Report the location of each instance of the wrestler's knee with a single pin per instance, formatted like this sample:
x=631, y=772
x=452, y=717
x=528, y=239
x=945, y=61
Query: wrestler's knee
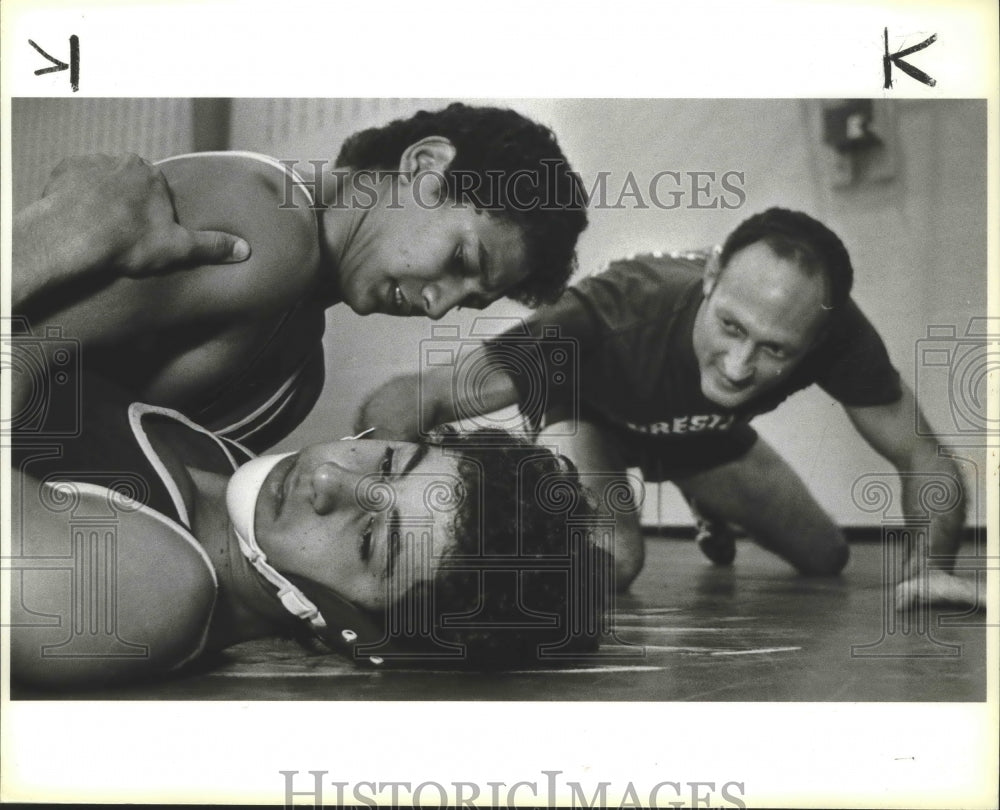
x=828, y=555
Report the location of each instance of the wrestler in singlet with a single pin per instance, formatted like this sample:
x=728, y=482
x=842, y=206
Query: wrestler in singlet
x=110, y=576
x=123, y=565
x=236, y=347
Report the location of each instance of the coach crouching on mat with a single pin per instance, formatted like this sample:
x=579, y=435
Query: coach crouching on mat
x=677, y=354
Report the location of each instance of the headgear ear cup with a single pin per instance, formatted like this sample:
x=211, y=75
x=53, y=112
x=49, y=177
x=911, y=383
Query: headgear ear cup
x=242, y=492
x=325, y=620
x=341, y=625
x=347, y=627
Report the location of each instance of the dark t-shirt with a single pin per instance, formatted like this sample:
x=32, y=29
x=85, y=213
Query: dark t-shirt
x=630, y=328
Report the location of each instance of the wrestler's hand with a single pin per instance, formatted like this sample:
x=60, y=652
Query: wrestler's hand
x=116, y=213
x=940, y=588
x=393, y=409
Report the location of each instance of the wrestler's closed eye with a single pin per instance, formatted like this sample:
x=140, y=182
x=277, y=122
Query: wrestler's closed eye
x=366, y=540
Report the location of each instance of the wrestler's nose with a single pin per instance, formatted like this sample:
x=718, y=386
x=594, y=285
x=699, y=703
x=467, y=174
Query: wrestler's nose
x=440, y=297
x=334, y=487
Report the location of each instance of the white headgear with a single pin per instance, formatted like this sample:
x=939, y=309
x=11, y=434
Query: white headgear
x=242, y=493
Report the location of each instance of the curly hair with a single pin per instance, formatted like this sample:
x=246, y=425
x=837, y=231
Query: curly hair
x=522, y=582
x=797, y=236
x=505, y=164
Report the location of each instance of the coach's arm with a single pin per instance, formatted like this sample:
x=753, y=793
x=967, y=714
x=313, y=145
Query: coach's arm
x=891, y=430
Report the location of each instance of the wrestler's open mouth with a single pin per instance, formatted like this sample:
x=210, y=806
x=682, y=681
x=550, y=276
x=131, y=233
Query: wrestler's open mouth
x=399, y=304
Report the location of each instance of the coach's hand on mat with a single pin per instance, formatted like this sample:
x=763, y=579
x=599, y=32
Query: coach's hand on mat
x=940, y=588
x=116, y=214
x=395, y=411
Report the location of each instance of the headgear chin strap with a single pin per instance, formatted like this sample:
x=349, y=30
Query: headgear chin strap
x=242, y=492
x=347, y=627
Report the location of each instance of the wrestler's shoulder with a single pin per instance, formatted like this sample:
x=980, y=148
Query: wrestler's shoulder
x=158, y=604
x=260, y=199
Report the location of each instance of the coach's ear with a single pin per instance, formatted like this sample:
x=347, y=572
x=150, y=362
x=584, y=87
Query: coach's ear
x=713, y=269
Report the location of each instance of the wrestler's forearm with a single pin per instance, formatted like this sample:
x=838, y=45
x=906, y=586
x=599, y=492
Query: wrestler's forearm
x=113, y=216
x=408, y=406
x=453, y=394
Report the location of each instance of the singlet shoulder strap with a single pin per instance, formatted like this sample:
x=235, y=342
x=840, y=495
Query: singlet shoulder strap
x=136, y=412
x=301, y=184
